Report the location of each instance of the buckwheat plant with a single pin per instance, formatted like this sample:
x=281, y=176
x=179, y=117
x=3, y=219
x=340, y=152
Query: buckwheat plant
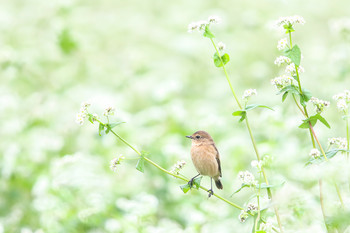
x=220, y=59
x=289, y=84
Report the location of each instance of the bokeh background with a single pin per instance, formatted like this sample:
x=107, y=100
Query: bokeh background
x=138, y=57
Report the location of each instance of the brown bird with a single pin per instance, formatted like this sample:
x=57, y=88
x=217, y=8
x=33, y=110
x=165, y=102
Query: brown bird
x=206, y=158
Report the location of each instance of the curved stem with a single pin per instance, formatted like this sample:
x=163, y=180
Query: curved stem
x=339, y=194
x=322, y=204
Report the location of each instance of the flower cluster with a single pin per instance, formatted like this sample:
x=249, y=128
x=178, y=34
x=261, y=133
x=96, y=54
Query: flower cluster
x=248, y=93
x=114, y=162
x=340, y=143
x=343, y=101
x=319, y=104
x=82, y=114
x=177, y=167
x=267, y=227
x=109, y=111
x=281, y=60
x=221, y=46
x=290, y=20
x=291, y=69
x=259, y=164
x=202, y=24
x=282, y=44
x=314, y=153
x=282, y=81
x=247, y=178
x=243, y=216
x=252, y=208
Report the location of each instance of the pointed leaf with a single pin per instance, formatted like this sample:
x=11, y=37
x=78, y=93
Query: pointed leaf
x=225, y=58
x=238, y=113
x=208, y=33
x=244, y=115
x=140, y=164
x=242, y=186
x=320, y=118
x=284, y=96
x=264, y=186
x=112, y=125
x=100, y=128
x=217, y=60
x=197, y=182
x=294, y=54
x=291, y=89
x=185, y=187
x=252, y=106
x=329, y=154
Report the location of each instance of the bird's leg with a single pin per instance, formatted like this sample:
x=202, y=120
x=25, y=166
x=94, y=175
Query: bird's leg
x=211, y=192
x=191, y=181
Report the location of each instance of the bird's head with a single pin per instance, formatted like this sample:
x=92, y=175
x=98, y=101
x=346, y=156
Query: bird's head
x=200, y=136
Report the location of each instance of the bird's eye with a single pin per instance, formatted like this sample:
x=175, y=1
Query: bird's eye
x=198, y=136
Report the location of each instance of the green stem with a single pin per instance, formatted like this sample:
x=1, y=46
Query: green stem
x=347, y=147
x=226, y=74
x=250, y=133
x=339, y=194
x=322, y=204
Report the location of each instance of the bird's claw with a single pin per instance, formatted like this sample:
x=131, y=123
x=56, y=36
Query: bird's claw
x=190, y=183
x=211, y=192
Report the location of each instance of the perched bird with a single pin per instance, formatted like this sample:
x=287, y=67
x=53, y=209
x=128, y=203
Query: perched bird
x=206, y=158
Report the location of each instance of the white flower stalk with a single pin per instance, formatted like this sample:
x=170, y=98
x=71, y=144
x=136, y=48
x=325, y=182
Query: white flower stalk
x=340, y=143
x=256, y=164
x=343, y=101
x=314, y=153
x=243, y=216
x=290, y=21
x=282, y=81
x=281, y=60
x=221, y=46
x=320, y=105
x=114, y=162
x=247, y=178
x=290, y=69
x=177, y=167
x=214, y=19
x=109, y=111
x=82, y=114
x=249, y=93
x=282, y=44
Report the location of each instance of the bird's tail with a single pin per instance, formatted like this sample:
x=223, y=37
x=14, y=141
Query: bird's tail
x=218, y=184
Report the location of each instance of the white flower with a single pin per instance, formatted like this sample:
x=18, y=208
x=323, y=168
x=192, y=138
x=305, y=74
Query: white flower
x=282, y=81
x=247, y=178
x=108, y=111
x=290, y=69
x=214, y=19
x=282, y=60
x=114, y=162
x=341, y=143
x=82, y=114
x=290, y=20
x=192, y=27
x=177, y=167
x=202, y=24
x=282, y=44
x=343, y=101
x=243, y=216
x=256, y=163
x=314, y=153
x=252, y=208
x=319, y=104
x=79, y=119
x=221, y=46
x=248, y=93
x=267, y=227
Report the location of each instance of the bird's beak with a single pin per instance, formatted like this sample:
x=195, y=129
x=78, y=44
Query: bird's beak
x=189, y=137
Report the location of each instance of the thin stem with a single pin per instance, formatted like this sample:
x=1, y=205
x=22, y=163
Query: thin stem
x=339, y=194
x=226, y=74
x=258, y=200
x=322, y=204
x=347, y=147
x=250, y=134
x=318, y=142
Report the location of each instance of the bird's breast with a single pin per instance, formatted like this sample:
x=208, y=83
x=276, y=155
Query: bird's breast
x=204, y=159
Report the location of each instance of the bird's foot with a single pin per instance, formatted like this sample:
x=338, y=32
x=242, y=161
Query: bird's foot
x=211, y=192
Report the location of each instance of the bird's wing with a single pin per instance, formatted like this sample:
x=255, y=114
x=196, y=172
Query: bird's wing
x=217, y=156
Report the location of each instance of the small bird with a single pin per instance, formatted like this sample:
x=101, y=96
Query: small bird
x=205, y=157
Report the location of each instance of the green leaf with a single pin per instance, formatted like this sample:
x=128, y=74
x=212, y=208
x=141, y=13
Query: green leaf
x=320, y=118
x=112, y=125
x=329, y=154
x=244, y=115
x=225, y=58
x=241, y=113
x=242, y=186
x=294, y=54
x=264, y=186
x=208, y=33
x=91, y=117
x=66, y=42
x=284, y=96
x=305, y=97
x=185, y=187
x=197, y=182
x=291, y=89
x=289, y=28
x=252, y=106
x=140, y=164
x=100, y=128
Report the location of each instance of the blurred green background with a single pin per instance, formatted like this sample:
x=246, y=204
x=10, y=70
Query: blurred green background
x=138, y=57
